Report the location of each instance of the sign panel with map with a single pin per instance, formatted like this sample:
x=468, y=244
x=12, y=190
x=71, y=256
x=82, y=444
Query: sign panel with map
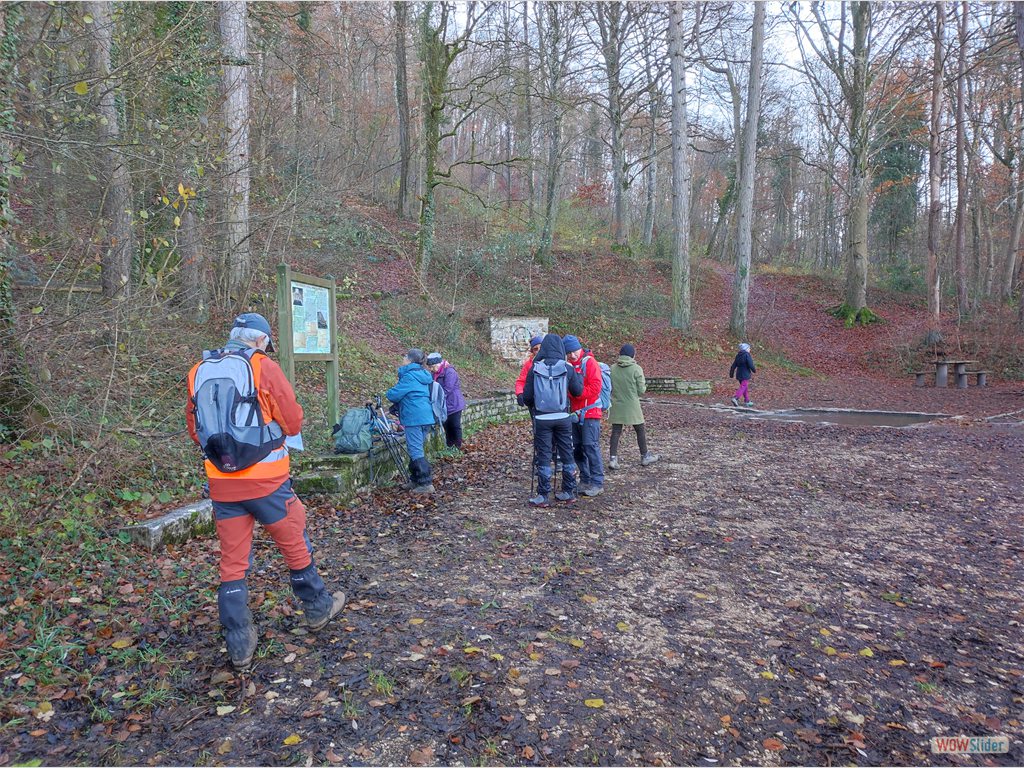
x=311, y=319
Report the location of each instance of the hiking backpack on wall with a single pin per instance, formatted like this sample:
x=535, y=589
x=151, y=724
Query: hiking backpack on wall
x=229, y=421
x=352, y=434
x=604, y=400
x=551, y=387
x=438, y=403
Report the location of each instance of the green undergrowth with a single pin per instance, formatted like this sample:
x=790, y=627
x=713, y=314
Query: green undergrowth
x=852, y=317
x=778, y=359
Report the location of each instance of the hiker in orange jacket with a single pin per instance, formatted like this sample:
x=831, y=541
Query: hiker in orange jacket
x=250, y=481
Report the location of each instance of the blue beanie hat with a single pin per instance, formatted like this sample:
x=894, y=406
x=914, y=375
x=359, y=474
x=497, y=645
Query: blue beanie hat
x=570, y=343
x=628, y=350
x=536, y=341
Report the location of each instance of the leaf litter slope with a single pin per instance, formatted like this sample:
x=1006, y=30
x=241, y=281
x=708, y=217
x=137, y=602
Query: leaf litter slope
x=768, y=593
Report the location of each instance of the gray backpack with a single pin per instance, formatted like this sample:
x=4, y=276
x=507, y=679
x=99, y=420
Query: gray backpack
x=551, y=387
x=438, y=403
x=229, y=420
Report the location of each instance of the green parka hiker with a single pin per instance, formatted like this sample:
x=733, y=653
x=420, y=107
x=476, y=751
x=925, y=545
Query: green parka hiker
x=628, y=383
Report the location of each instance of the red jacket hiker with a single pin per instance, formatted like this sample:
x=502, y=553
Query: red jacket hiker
x=591, y=386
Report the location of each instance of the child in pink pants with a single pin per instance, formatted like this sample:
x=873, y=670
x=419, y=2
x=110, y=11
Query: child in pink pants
x=742, y=368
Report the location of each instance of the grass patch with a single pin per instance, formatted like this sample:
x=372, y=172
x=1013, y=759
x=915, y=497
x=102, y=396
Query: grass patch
x=779, y=360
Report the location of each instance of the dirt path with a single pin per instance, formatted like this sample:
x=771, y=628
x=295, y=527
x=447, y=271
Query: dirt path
x=769, y=593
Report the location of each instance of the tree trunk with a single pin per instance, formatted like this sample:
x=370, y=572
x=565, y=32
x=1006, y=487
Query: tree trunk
x=651, y=173
x=526, y=145
x=237, y=268
x=747, y=166
x=935, y=170
x=552, y=56
x=118, y=201
x=681, y=314
x=402, y=99
x=609, y=17
x=860, y=174
x=16, y=393
x=962, y=192
x=1018, y=214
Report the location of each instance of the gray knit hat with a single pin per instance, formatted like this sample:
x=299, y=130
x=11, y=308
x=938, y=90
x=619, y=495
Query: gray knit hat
x=414, y=355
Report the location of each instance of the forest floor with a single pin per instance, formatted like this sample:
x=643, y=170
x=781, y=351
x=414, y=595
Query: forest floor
x=768, y=593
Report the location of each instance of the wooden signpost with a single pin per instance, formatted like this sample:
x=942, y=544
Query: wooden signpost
x=307, y=327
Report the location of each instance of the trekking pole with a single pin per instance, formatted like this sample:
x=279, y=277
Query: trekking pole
x=533, y=469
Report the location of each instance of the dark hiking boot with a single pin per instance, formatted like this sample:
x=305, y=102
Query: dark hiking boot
x=648, y=458
x=613, y=462
x=540, y=500
x=565, y=496
x=241, y=645
x=316, y=619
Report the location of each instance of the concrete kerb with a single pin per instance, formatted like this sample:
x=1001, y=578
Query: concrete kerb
x=342, y=475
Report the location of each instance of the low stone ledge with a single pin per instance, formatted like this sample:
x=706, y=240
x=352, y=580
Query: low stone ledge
x=175, y=527
x=675, y=386
x=339, y=474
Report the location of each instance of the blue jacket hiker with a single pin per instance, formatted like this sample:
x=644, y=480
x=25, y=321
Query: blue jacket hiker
x=743, y=369
x=549, y=385
x=412, y=396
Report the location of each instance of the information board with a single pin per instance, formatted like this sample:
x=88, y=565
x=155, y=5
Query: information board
x=311, y=319
x=307, y=327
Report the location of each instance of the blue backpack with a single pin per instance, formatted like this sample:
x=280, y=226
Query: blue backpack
x=604, y=400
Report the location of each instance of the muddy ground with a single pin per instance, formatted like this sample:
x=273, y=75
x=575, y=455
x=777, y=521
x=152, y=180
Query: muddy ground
x=768, y=593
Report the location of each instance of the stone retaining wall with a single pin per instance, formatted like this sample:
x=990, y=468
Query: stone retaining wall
x=343, y=475
x=671, y=385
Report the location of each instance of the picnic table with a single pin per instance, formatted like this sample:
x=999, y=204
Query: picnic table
x=959, y=369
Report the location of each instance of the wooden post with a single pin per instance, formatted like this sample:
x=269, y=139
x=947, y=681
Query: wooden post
x=284, y=321
x=333, y=372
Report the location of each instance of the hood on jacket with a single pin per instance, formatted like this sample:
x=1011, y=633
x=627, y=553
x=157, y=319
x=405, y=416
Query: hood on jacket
x=417, y=371
x=625, y=361
x=551, y=348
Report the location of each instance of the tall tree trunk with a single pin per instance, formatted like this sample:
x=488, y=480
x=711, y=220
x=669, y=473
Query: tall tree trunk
x=16, y=393
x=935, y=169
x=860, y=174
x=237, y=268
x=609, y=18
x=681, y=181
x=402, y=99
x=651, y=172
x=551, y=55
x=118, y=202
x=747, y=166
x=526, y=145
x=1019, y=29
x=962, y=192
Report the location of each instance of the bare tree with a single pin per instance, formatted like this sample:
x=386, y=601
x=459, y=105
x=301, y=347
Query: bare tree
x=118, y=202
x=237, y=266
x=962, y=192
x=681, y=180
x=402, y=100
x=935, y=169
x=748, y=163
